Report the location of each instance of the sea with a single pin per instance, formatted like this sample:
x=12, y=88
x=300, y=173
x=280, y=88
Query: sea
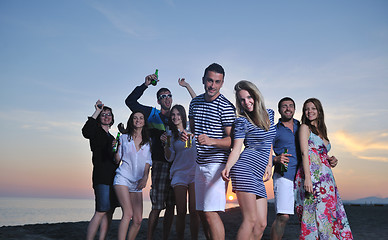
x=16, y=211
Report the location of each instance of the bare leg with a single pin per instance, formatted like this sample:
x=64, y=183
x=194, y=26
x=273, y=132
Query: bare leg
x=216, y=226
x=122, y=194
x=181, y=207
x=205, y=225
x=194, y=218
x=278, y=226
x=105, y=223
x=137, y=207
x=152, y=223
x=261, y=223
x=247, y=202
x=167, y=222
x=94, y=224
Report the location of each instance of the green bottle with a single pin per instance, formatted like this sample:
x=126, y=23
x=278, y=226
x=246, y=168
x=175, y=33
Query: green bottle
x=284, y=167
x=153, y=81
x=117, y=143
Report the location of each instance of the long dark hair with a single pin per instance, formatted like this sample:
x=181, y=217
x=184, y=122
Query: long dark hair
x=131, y=128
x=99, y=116
x=321, y=129
x=173, y=127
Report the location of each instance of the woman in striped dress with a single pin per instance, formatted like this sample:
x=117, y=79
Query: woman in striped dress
x=255, y=129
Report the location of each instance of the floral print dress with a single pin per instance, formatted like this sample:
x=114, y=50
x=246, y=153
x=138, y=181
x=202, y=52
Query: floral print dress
x=321, y=214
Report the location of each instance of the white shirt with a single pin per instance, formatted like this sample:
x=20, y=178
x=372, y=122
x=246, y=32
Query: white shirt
x=132, y=161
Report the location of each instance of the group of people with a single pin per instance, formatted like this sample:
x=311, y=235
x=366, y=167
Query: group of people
x=239, y=143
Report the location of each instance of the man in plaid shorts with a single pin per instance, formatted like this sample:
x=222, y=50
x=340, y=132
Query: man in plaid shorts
x=161, y=194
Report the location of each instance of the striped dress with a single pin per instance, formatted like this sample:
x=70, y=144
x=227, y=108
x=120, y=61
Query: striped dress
x=247, y=173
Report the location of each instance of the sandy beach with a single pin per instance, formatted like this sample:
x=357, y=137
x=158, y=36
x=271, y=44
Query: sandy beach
x=366, y=221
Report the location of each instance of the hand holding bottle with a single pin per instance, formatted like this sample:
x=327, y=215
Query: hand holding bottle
x=284, y=161
x=116, y=143
x=98, y=108
x=99, y=105
x=152, y=79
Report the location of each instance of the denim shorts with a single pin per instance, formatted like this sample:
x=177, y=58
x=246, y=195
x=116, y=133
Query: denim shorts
x=104, y=197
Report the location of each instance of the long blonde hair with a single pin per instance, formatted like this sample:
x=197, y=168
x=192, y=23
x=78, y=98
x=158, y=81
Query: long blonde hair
x=259, y=115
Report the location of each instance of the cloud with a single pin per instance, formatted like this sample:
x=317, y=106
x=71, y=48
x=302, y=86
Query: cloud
x=117, y=20
x=380, y=159
x=39, y=121
x=170, y=3
x=354, y=143
x=126, y=19
x=51, y=125
x=369, y=146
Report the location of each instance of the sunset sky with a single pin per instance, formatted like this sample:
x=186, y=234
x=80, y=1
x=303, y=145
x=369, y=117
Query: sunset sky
x=58, y=57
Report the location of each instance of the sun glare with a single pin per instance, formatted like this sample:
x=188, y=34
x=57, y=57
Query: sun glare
x=231, y=198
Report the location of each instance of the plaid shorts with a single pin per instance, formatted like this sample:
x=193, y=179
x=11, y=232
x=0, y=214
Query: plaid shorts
x=161, y=193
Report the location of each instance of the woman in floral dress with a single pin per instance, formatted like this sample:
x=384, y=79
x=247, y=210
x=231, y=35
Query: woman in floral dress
x=318, y=203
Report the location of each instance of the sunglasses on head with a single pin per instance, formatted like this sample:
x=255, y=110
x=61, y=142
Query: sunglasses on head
x=162, y=96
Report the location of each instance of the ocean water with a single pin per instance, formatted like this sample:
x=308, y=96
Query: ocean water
x=21, y=211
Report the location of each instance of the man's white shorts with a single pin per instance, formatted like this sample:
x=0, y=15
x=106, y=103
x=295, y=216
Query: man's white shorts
x=210, y=189
x=284, y=194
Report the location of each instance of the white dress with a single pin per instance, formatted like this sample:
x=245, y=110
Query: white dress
x=133, y=162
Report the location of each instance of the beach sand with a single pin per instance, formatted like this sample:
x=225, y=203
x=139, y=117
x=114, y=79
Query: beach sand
x=366, y=221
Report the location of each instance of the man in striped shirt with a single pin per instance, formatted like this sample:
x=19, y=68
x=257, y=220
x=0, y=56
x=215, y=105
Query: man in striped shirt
x=211, y=118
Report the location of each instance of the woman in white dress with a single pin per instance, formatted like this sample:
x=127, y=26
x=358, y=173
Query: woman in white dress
x=131, y=176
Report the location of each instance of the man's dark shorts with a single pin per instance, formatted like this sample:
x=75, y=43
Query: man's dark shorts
x=104, y=197
x=161, y=193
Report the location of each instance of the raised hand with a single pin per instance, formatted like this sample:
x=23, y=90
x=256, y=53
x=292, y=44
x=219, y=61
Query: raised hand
x=149, y=78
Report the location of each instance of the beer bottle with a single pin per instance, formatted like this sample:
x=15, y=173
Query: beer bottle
x=117, y=143
x=284, y=167
x=189, y=140
x=155, y=81
x=169, y=135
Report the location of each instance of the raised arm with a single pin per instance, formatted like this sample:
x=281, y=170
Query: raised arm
x=89, y=129
x=132, y=100
x=182, y=82
x=304, y=133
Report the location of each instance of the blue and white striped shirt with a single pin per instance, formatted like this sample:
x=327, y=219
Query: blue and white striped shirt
x=211, y=118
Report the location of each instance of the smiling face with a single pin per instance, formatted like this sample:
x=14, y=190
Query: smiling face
x=176, y=117
x=165, y=100
x=106, y=117
x=310, y=111
x=246, y=100
x=138, y=120
x=286, y=110
x=212, y=82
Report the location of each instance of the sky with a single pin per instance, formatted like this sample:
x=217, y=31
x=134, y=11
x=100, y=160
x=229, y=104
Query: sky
x=59, y=57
